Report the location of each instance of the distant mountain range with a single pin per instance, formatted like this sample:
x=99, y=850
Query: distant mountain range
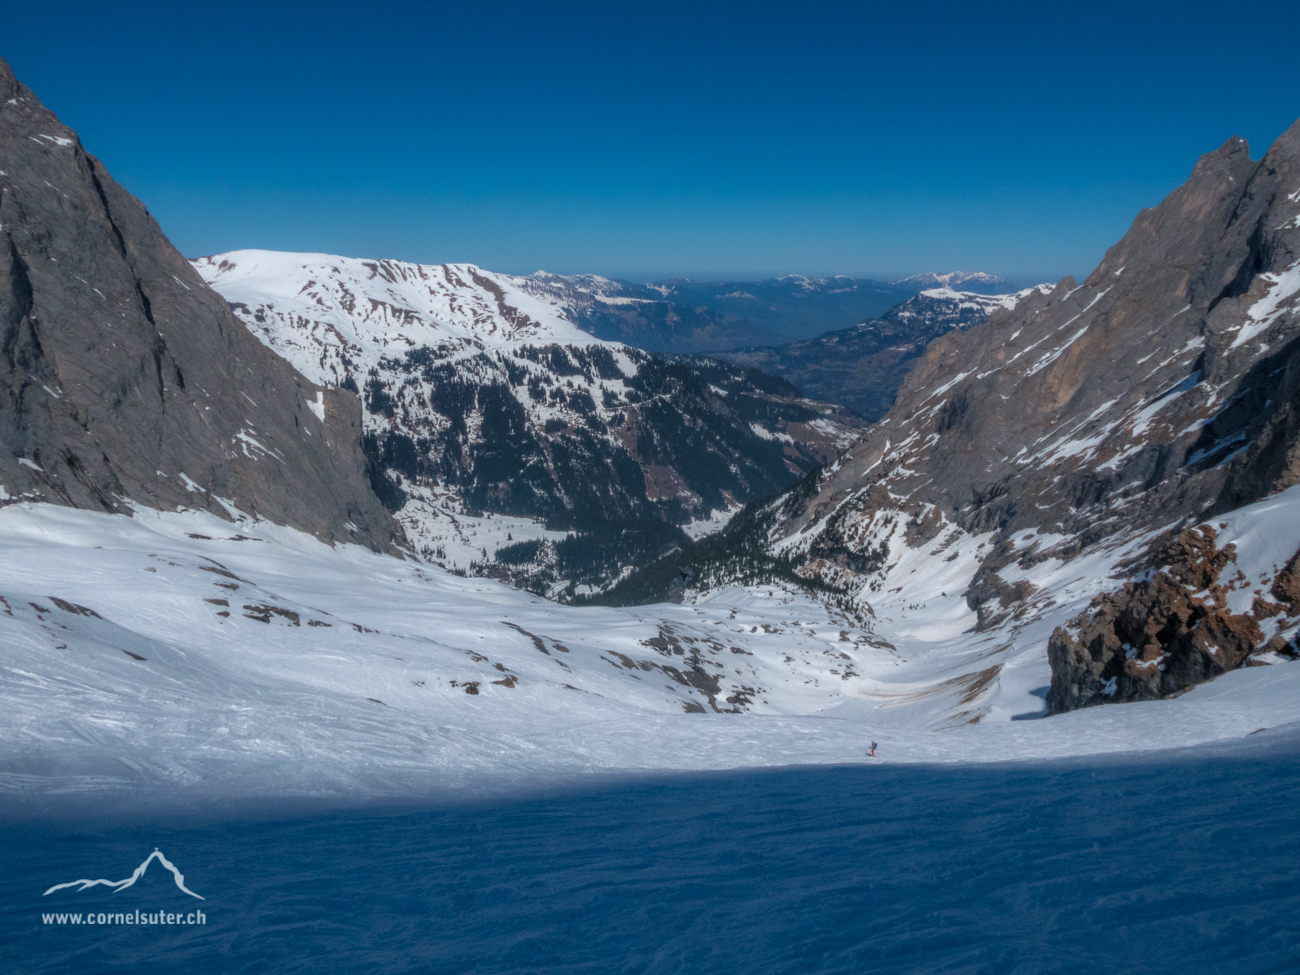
x=798, y=307
x=863, y=366
x=976, y=282
x=680, y=315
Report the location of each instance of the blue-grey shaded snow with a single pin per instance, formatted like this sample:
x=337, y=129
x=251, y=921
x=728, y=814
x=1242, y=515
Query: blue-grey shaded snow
x=1177, y=862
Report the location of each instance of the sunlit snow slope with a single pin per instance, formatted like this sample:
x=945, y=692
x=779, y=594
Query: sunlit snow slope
x=365, y=308
x=175, y=650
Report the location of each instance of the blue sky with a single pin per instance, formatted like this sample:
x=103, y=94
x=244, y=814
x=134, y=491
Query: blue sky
x=646, y=140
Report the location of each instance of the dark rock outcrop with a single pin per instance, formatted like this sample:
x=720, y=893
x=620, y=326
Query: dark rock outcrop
x=125, y=380
x=1286, y=587
x=1157, y=637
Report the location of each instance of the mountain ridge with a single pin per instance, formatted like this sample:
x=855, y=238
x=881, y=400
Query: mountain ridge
x=482, y=398
x=863, y=366
x=680, y=315
x=1088, y=426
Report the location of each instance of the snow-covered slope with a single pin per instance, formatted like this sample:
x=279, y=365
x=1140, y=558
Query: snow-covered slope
x=973, y=301
x=316, y=308
x=173, y=651
x=492, y=420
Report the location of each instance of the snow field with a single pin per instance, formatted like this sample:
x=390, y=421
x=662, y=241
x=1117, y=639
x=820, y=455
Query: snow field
x=339, y=671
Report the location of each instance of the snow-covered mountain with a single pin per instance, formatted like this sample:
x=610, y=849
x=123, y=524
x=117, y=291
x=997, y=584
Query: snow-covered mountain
x=506, y=439
x=962, y=308
x=1094, y=496
x=863, y=366
x=973, y=281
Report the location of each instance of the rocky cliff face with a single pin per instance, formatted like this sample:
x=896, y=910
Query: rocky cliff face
x=863, y=366
x=1082, y=427
x=1161, y=389
x=125, y=380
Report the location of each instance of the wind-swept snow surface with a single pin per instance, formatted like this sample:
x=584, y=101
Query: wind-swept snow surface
x=1177, y=862
x=176, y=651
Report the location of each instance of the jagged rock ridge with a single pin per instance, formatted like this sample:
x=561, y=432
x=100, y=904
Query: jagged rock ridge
x=125, y=380
x=1161, y=389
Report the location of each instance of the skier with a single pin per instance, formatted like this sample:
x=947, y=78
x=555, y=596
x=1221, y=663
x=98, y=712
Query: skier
x=873, y=749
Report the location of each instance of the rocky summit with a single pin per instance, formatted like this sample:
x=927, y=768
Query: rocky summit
x=1159, y=389
x=125, y=380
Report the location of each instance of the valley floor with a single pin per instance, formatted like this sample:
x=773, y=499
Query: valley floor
x=180, y=653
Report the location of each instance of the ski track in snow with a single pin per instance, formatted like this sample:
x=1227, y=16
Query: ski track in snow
x=180, y=651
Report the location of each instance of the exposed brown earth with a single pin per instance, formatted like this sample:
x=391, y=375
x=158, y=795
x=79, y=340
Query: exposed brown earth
x=1155, y=638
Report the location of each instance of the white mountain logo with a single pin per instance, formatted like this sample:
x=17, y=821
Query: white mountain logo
x=122, y=885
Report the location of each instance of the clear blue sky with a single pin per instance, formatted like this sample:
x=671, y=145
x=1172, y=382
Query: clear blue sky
x=652, y=139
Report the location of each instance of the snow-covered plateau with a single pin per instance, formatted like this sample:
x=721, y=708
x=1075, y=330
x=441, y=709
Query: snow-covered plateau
x=183, y=653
